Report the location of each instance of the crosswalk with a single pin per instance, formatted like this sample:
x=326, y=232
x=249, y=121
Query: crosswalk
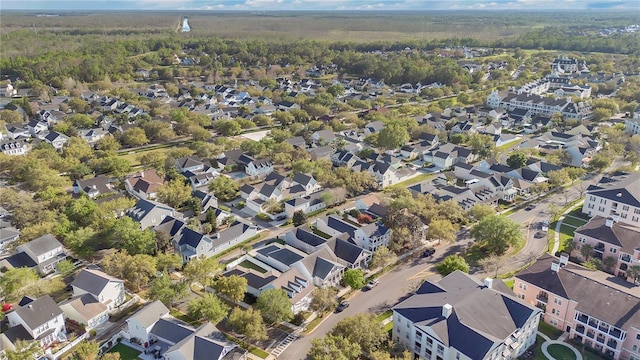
x=283, y=345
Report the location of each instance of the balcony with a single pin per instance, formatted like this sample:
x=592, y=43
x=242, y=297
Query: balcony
x=543, y=297
x=542, y=306
x=599, y=247
x=616, y=333
x=600, y=339
x=580, y=329
x=593, y=323
x=583, y=318
x=591, y=334
x=625, y=257
x=612, y=343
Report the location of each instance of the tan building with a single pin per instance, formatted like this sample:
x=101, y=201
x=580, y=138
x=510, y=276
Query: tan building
x=594, y=308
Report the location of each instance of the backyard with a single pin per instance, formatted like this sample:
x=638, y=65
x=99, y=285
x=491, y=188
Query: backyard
x=126, y=353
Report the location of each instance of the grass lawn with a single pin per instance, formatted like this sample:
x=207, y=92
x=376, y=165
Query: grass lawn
x=126, y=353
x=184, y=317
x=249, y=265
x=384, y=315
x=414, y=180
x=573, y=221
x=134, y=156
x=549, y=330
x=510, y=283
x=312, y=324
x=561, y=352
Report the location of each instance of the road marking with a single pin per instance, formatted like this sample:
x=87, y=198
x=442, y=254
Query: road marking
x=421, y=274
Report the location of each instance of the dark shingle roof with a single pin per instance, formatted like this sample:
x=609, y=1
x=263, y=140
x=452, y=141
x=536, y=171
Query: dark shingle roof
x=43, y=244
x=93, y=281
x=171, y=329
x=620, y=234
x=39, y=311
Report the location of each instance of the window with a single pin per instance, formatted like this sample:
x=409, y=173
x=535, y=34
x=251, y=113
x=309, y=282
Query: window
x=634, y=219
x=553, y=322
x=523, y=286
x=521, y=296
x=625, y=207
x=624, y=216
x=581, y=239
x=636, y=211
x=638, y=336
x=613, y=250
x=555, y=312
x=557, y=301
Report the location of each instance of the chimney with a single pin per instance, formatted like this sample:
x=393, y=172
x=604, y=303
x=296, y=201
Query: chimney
x=555, y=266
x=488, y=283
x=564, y=259
x=609, y=222
x=446, y=310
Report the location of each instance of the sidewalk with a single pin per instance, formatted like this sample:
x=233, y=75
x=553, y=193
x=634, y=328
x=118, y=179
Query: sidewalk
x=556, y=240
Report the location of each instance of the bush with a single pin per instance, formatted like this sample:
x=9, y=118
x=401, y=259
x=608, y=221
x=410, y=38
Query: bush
x=240, y=205
x=222, y=207
x=298, y=319
x=365, y=219
x=263, y=217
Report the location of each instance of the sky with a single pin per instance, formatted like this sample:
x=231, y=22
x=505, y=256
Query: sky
x=302, y=5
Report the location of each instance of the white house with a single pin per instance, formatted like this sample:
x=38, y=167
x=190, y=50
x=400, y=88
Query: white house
x=41, y=254
x=40, y=319
x=369, y=236
x=107, y=289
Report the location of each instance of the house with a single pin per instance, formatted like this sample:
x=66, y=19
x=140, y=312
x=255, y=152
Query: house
x=385, y=173
x=321, y=153
x=8, y=234
x=107, y=289
x=298, y=289
x=255, y=167
x=36, y=319
x=323, y=136
x=144, y=184
x=590, y=305
x=191, y=244
x=14, y=147
x=206, y=200
x=617, y=196
x=86, y=310
x=140, y=324
x=206, y=342
x=609, y=238
x=308, y=183
x=306, y=204
x=297, y=142
x=37, y=128
x=15, y=131
x=459, y=317
x=369, y=236
x=287, y=105
x=365, y=202
x=632, y=125
x=56, y=139
x=99, y=185
x=41, y=254
x=149, y=213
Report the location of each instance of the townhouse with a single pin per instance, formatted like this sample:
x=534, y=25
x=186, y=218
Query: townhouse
x=616, y=196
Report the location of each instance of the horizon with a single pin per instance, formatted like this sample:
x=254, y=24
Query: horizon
x=315, y=5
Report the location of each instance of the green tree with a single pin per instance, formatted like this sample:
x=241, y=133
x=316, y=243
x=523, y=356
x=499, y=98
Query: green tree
x=227, y=127
x=174, y=193
x=354, y=278
x=65, y=267
x=586, y=251
x=166, y=262
x=481, y=211
x=134, y=136
x=558, y=178
x=333, y=347
x=200, y=270
x=108, y=143
x=452, y=263
x=323, y=299
x=600, y=162
x=517, y=160
x=208, y=307
x=393, y=136
x=233, y=287
x=299, y=218
x=482, y=145
x=274, y=305
x=382, y=257
x=15, y=282
x=362, y=329
x=497, y=233
x=633, y=273
x=124, y=233
x=81, y=121
x=442, y=229
x=575, y=173
x=165, y=290
x=248, y=323
x=224, y=188
x=609, y=263
x=86, y=350
x=492, y=262
x=24, y=350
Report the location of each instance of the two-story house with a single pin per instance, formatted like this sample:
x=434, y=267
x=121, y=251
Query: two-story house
x=104, y=287
x=93, y=187
x=191, y=244
x=40, y=319
x=144, y=184
x=616, y=196
x=149, y=213
x=41, y=254
x=56, y=139
x=593, y=308
x=368, y=236
x=460, y=318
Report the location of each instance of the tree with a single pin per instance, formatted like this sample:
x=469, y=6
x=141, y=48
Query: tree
x=65, y=267
x=323, y=299
x=393, y=136
x=497, y=232
x=575, y=173
x=248, y=323
x=609, y=263
x=633, y=273
x=299, y=218
x=227, y=127
x=134, y=136
x=555, y=211
x=165, y=262
x=482, y=145
x=174, y=193
x=382, y=257
x=208, y=307
x=493, y=262
x=15, y=281
x=86, y=350
x=333, y=347
x=224, y=188
x=81, y=121
x=442, y=229
x=233, y=287
x=600, y=162
x=165, y=290
x=558, y=178
x=24, y=350
x=124, y=233
x=199, y=270
x=481, y=211
x=275, y=306
x=137, y=270
x=362, y=329
x=452, y=263
x=517, y=160
x=354, y=278
x=111, y=356
x=586, y=251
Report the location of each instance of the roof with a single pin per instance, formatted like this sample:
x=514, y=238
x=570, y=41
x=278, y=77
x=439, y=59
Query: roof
x=170, y=226
x=620, y=234
x=93, y=281
x=304, y=234
x=143, y=207
x=147, y=181
x=171, y=329
x=151, y=313
x=86, y=305
x=42, y=245
x=99, y=183
x=345, y=250
x=255, y=279
x=302, y=179
x=190, y=237
x=598, y=294
x=624, y=189
x=321, y=263
x=20, y=260
x=481, y=316
x=205, y=342
x=232, y=232
x=38, y=311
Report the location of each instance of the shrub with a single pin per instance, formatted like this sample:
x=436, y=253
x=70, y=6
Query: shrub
x=364, y=219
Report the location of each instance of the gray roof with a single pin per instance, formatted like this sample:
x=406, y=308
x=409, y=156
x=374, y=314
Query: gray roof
x=43, y=244
x=93, y=281
x=171, y=329
x=345, y=250
x=481, y=317
x=232, y=232
x=623, y=189
x=206, y=342
x=191, y=237
x=151, y=313
x=170, y=225
x=38, y=311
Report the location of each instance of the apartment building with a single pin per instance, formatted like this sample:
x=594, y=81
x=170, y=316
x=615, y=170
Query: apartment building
x=617, y=197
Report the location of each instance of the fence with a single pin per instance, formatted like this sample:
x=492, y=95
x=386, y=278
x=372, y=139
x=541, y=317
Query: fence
x=68, y=347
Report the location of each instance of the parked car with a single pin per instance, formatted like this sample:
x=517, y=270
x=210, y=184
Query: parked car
x=343, y=305
x=428, y=252
x=530, y=207
x=371, y=284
